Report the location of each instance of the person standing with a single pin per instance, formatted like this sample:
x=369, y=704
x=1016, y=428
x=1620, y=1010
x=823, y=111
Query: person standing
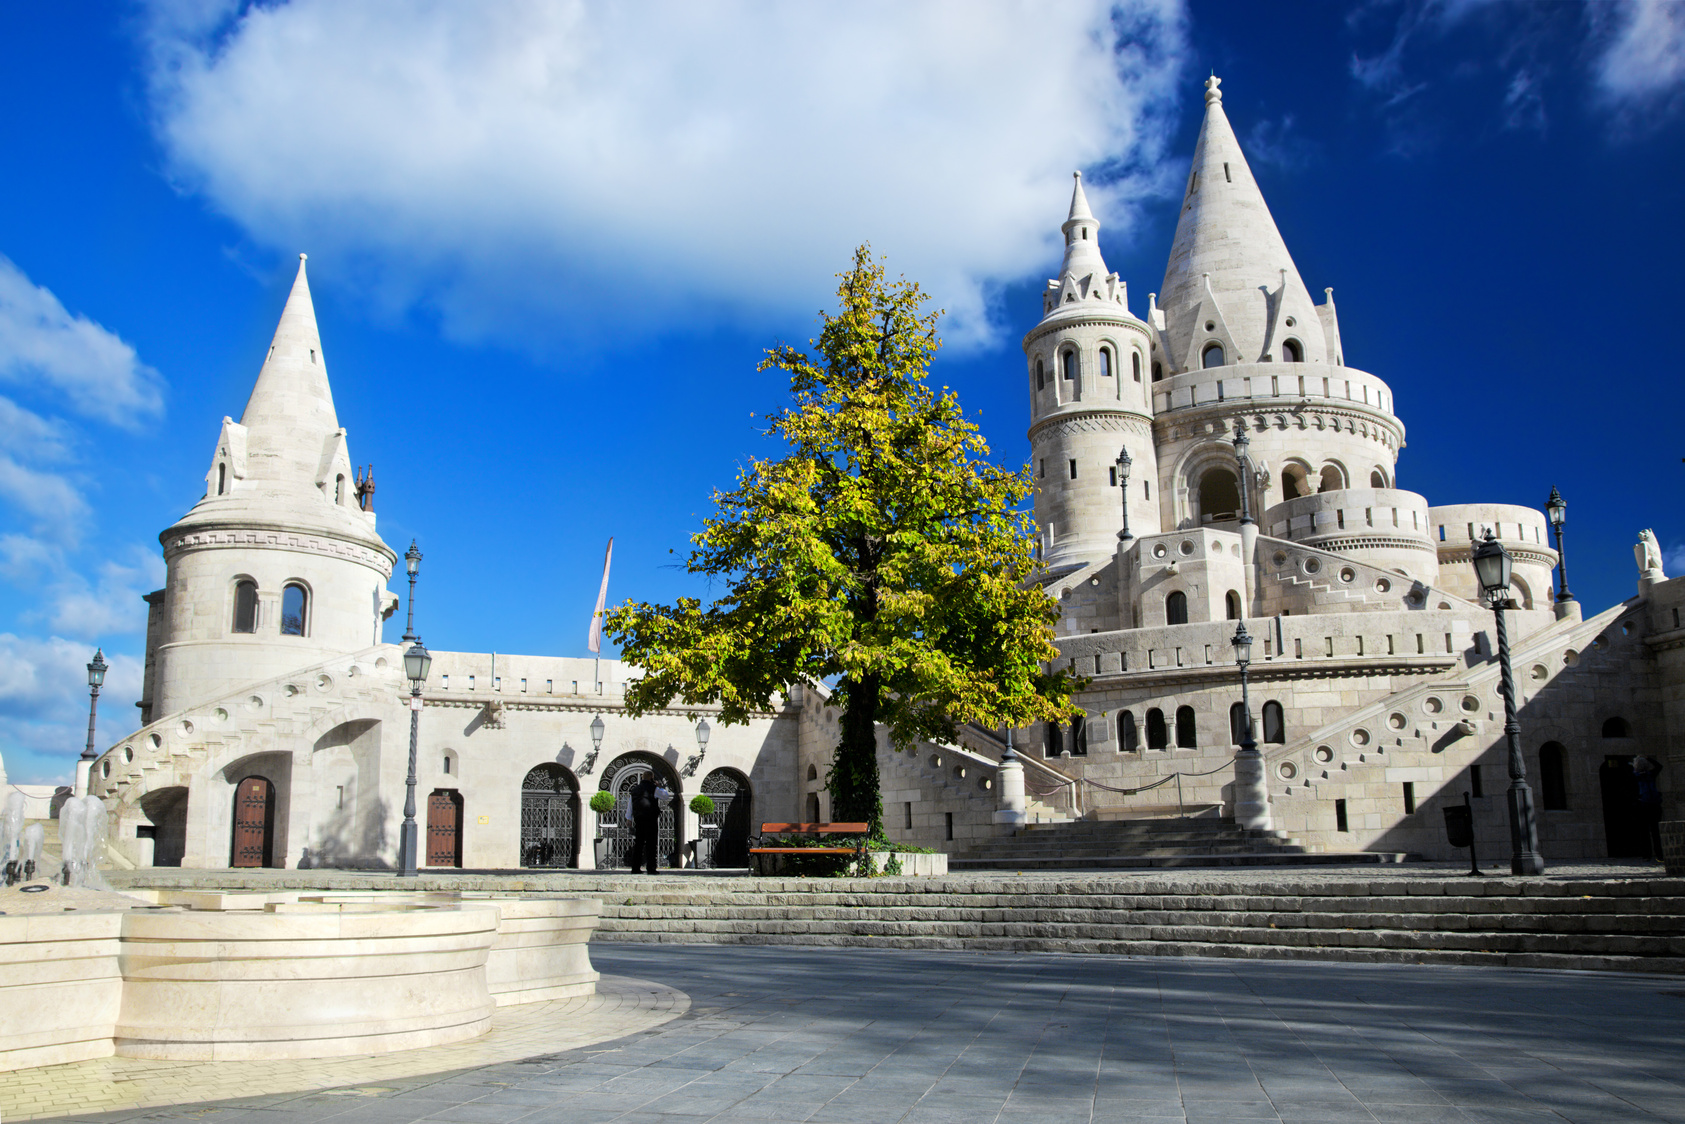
x=1644, y=771
x=646, y=818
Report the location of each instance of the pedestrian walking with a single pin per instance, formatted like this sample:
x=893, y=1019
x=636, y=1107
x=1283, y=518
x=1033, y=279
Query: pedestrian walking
x=646, y=818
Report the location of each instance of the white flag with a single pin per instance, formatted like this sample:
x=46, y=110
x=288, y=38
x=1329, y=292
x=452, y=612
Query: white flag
x=595, y=640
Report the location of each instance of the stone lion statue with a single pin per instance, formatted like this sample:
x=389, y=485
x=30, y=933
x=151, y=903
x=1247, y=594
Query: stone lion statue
x=1649, y=555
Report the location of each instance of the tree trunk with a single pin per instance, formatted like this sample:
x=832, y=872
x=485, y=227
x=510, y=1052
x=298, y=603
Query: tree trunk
x=855, y=793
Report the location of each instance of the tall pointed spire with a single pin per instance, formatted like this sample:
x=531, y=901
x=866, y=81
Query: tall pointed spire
x=1083, y=275
x=1229, y=266
x=290, y=416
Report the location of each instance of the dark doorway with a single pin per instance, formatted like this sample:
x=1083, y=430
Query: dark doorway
x=254, y=823
x=444, y=827
x=1623, y=830
x=549, y=818
x=620, y=778
x=729, y=790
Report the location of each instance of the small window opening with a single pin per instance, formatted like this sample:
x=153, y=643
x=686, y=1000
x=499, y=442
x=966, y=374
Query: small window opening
x=339, y=489
x=294, y=603
x=447, y=763
x=1135, y=364
x=1409, y=798
x=1376, y=480
x=1275, y=725
x=1475, y=787
x=907, y=807
x=1073, y=469
x=245, y=607
x=1129, y=738
x=1226, y=177
x=948, y=825
x=1212, y=356
x=1291, y=352
x=1617, y=728
x=1053, y=740
x=312, y=355
x=1340, y=823
x=1105, y=362
x=1158, y=371
x=1231, y=604
x=1042, y=470
x=1176, y=608
x=1112, y=476
x=1041, y=375
x=1186, y=735
x=549, y=686
x=221, y=479
x=1158, y=736
x=1553, y=777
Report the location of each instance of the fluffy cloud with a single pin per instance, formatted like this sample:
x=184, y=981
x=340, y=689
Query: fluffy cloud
x=43, y=344
x=535, y=165
x=1644, y=54
x=44, y=705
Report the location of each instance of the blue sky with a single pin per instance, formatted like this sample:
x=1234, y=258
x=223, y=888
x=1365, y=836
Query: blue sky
x=548, y=243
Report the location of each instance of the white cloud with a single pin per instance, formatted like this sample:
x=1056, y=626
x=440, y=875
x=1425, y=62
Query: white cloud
x=43, y=344
x=44, y=705
x=549, y=166
x=1644, y=53
x=87, y=610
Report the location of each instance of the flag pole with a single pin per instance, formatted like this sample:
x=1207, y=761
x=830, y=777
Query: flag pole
x=594, y=639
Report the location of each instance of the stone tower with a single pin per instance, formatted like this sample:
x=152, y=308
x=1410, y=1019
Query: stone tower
x=277, y=566
x=1089, y=399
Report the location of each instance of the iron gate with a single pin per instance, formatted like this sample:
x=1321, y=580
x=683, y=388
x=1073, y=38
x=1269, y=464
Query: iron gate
x=620, y=778
x=729, y=791
x=549, y=818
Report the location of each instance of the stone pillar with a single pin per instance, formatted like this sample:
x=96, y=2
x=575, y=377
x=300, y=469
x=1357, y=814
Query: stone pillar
x=83, y=770
x=1251, y=799
x=1009, y=788
x=1249, y=566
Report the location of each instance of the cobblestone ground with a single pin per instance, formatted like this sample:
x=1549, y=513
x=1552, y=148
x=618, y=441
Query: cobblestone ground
x=849, y=1036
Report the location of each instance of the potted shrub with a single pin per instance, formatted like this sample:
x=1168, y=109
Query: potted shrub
x=703, y=805
x=601, y=803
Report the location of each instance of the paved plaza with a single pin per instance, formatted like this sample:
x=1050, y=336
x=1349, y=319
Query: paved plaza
x=854, y=1036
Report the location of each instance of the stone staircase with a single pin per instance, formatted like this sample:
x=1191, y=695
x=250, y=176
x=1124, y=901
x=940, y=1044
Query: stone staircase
x=1621, y=926
x=1144, y=844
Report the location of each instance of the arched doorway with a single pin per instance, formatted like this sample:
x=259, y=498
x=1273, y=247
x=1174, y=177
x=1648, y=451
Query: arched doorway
x=1623, y=832
x=732, y=799
x=254, y=823
x=444, y=827
x=1219, y=496
x=621, y=776
x=549, y=818
x=167, y=809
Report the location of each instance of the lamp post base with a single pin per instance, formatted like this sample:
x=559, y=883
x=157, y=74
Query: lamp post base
x=1251, y=799
x=407, y=839
x=1524, y=836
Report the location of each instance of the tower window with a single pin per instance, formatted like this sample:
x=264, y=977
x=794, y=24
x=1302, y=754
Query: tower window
x=1291, y=352
x=1176, y=608
x=1069, y=359
x=1073, y=470
x=221, y=479
x=1113, y=471
x=1041, y=375
x=294, y=605
x=1043, y=468
x=1553, y=777
x=312, y=355
x=245, y=606
x=1135, y=364
x=1226, y=177
x=1158, y=371
x=1275, y=728
x=1158, y=737
x=1185, y=732
x=1085, y=234
x=1231, y=603
x=1212, y=356
x=1129, y=739
x=1105, y=362
x=339, y=489
x=1377, y=480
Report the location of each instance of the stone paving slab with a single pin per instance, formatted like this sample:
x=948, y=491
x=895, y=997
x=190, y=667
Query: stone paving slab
x=620, y=1006
x=839, y=1036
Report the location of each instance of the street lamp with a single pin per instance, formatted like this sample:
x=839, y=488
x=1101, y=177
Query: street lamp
x=1123, y=463
x=96, y=680
x=1492, y=568
x=702, y=732
x=412, y=564
x=1241, y=444
x=1251, y=801
x=1557, y=508
x=596, y=745
x=417, y=663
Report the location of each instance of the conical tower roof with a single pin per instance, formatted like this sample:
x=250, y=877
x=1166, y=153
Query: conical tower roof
x=1083, y=277
x=290, y=414
x=1228, y=264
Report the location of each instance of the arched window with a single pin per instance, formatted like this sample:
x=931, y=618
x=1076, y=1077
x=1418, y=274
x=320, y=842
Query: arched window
x=1237, y=723
x=1041, y=375
x=1617, y=728
x=1332, y=480
x=1135, y=364
x=1212, y=356
x=339, y=489
x=1294, y=482
x=1176, y=608
x=1053, y=740
x=295, y=603
x=245, y=606
x=1105, y=362
x=1158, y=371
x=1079, y=736
x=1157, y=736
x=1553, y=776
x=1231, y=603
x=1275, y=727
x=1129, y=738
x=1377, y=479
x=1291, y=352
x=1219, y=496
x=1068, y=362
x=1185, y=735
x=221, y=479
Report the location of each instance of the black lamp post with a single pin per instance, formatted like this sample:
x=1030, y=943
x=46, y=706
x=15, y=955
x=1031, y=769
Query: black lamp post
x=1492, y=568
x=412, y=563
x=1251, y=801
x=1123, y=464
x=417, y=663
x=1242, y=443
x=1557, y=508
x=96, y=680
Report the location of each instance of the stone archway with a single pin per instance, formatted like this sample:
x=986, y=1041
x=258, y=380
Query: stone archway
x=622, y=774
x=733, y=808
x=253, y=842
x=549, y=817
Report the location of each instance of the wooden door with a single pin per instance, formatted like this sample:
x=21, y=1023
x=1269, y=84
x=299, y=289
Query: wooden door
x=254, y=823
x=444, y=828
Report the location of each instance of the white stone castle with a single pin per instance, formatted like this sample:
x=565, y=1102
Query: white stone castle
x=275, y=724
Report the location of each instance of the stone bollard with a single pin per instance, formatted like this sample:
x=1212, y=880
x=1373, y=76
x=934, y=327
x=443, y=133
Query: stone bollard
x=1251, y=799
x=1009, y=788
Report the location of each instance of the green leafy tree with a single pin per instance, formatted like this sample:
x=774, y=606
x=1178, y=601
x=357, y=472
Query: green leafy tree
x=884, y=552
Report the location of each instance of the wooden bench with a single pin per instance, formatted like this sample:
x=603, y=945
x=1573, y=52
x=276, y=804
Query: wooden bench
x=858, y=850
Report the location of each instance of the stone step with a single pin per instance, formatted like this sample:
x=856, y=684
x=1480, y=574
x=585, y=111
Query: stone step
x=1168, y=862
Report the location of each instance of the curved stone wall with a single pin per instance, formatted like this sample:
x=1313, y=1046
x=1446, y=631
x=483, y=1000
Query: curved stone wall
x=1384, y=527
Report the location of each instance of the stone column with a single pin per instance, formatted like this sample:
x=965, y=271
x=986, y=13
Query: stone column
x=1251, y=799
x=1009, y=788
